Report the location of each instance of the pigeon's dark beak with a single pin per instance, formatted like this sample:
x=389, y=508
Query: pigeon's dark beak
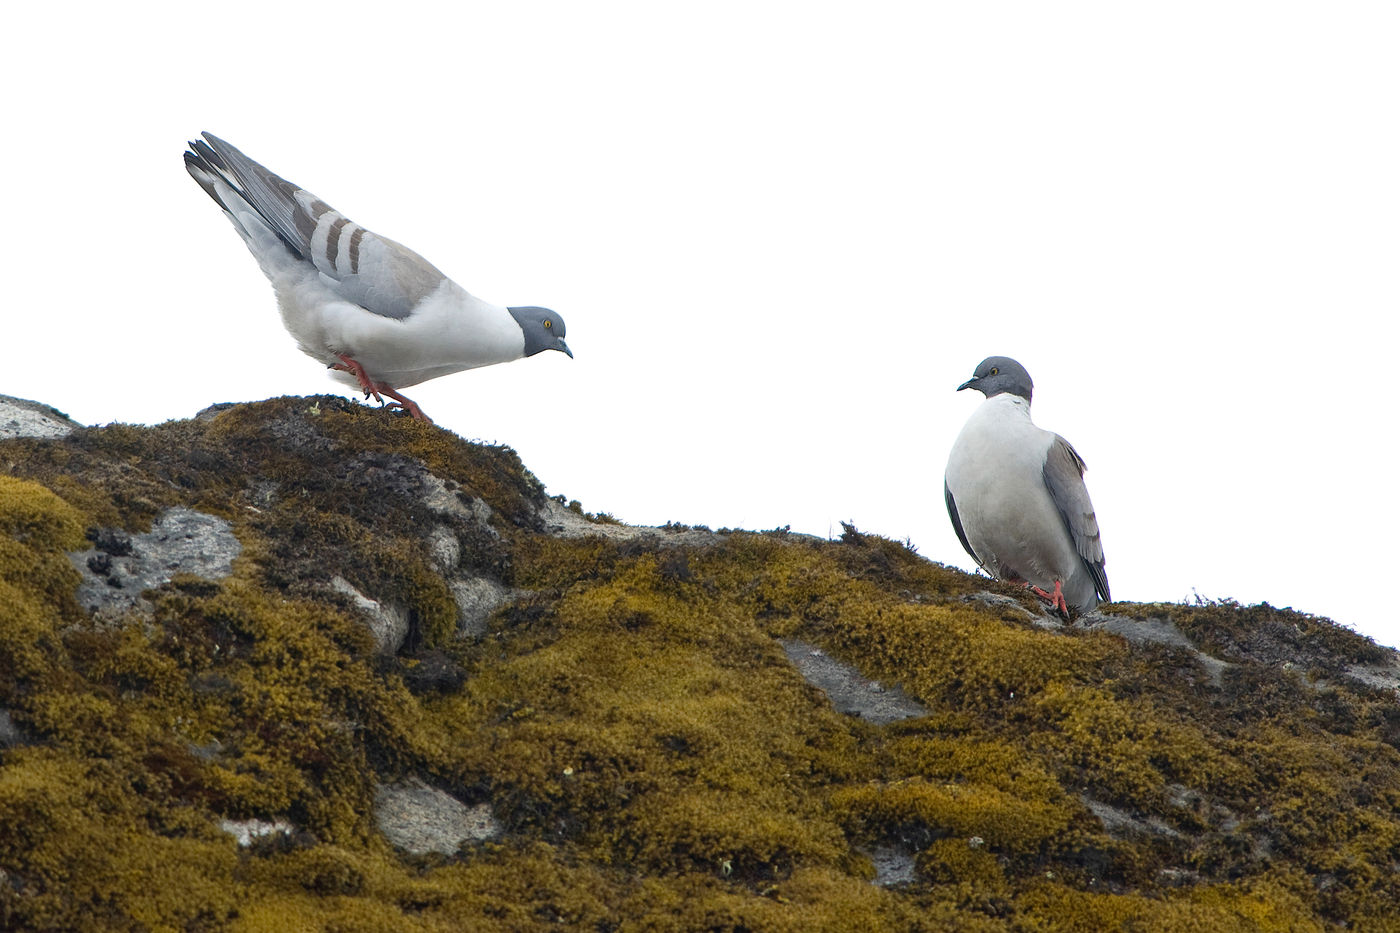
x=968, y=384
x=561, y=345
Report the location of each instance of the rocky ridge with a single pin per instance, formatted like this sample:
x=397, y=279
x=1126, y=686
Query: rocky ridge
x=332, y=668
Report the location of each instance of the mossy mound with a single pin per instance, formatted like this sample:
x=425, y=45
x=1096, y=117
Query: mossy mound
x=654, y=760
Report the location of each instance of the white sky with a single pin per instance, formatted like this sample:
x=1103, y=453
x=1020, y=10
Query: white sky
x=781, y=235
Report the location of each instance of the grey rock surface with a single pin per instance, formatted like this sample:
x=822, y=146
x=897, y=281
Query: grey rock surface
x=1001, y=601
x=848, y=691
x=388, y=622
x=1153, y=632
x=246, y=832
x=208, y=413
x=1120, y=823
x=477, y=598
x=893, y=865
x=442, y=496
x=420, y=819
x=120, y=566
x=444, y=548
x=559, y=520
x=10, y=733
x=22, y=418
x=1381, y=676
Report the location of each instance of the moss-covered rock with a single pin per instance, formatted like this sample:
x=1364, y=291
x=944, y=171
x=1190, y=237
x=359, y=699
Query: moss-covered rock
x=650, y=757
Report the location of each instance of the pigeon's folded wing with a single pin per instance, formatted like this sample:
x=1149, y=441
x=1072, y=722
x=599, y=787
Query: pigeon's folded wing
x=1064, y=477
x=374, y=272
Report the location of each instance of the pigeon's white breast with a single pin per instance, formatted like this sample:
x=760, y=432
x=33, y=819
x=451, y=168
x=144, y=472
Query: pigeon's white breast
x=996, y=473
x=447, y=332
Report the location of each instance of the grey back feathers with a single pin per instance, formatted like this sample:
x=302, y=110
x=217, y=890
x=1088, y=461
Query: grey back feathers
x=1064, y=477
x=377, y=314
x=374, y=272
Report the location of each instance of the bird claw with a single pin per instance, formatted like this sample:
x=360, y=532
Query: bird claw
x=347, y=365
x=1055, y=599
x=409, y=406
x=371, y=387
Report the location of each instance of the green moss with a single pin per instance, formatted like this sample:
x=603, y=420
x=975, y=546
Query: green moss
x=1227, y=909
x=35, y=517
x=301, y=549
x=988, y=796
x=36, y=580
x=1230, y=631
x=552, y=564
x=950, y=652
x=81, y=852
x=1007, y=823
x=650, y=725
x=36, y=527
x=963, y=861
x=1128, y=751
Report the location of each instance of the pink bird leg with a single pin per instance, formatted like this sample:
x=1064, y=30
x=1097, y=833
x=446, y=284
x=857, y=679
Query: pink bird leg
x=377, y=389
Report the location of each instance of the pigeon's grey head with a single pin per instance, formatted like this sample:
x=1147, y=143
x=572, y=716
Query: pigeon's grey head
x=998, y=374
x=544, y=330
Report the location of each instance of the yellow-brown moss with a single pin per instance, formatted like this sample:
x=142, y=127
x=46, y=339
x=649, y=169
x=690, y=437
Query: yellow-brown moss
x=1007, y=823
x=33, y=516
x=950, y=653
x=86, y=854
x=1226, y=909
x=656, y=727
x=1126, y=750
x=36, y=580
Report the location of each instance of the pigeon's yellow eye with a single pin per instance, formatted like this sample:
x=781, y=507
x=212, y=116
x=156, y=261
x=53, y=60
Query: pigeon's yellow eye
x=992, y=373
x=548, y=323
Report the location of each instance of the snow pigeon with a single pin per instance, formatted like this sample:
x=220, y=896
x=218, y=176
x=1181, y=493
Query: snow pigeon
x=378, y=314
x=1017, y=498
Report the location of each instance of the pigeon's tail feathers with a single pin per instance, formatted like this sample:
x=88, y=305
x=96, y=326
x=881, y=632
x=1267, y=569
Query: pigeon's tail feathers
x=264, y=241
x=204, y=173
x=222, y=170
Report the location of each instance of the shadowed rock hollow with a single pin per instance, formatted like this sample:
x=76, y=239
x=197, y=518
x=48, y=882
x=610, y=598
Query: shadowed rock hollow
x=304, y=665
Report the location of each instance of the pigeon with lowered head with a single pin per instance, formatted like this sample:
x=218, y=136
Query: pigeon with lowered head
x=378, y=314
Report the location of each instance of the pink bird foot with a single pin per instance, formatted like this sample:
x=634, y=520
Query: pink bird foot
x=347, y=365
x=377, y=389
x=399, y=401
x=1055, y=599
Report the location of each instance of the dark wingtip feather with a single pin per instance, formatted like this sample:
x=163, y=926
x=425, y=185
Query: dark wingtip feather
x=210, y=156
x=1100, y=580
x=957, y=522
x=202, y=171
x=268, y=195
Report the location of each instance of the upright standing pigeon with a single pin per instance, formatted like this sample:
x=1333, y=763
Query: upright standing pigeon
x=1017, y=498
x=375, y=311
